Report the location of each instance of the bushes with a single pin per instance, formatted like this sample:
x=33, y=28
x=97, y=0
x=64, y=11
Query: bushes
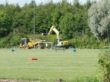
x=104, y=61
x=11, y=40
x=87, y=42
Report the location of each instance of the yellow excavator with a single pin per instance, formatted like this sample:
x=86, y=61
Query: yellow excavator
x=59, y=43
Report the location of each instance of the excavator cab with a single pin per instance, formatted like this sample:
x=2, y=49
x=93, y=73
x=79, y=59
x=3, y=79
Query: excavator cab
x=62, y=44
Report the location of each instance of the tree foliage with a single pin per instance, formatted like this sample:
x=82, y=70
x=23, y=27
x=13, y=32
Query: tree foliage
x=67, y=17
x=99, y=18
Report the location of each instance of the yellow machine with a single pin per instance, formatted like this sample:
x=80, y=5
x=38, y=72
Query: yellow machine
x=30, y=43
x=26, y=43
x=59, y=42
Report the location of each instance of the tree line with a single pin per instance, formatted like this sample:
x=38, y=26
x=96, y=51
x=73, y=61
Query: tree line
x=69, y=18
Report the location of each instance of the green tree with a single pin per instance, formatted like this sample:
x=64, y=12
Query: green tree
x=67, y=25
x=76, y=3
x=5, y=23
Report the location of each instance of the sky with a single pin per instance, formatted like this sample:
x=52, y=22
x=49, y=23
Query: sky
x=22, y=2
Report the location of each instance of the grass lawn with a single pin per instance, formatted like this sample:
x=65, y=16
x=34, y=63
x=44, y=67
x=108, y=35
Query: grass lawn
x=50, y=65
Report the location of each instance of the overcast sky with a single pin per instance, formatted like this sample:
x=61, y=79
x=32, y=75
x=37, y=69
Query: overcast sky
x=22, y=2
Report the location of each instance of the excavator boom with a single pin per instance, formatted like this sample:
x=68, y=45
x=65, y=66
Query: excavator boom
x=53, y=29
x=60, y=43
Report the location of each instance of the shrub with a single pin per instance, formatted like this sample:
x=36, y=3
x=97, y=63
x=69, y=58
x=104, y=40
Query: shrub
x=87, y=42
x=11, y=40
x=104, y=61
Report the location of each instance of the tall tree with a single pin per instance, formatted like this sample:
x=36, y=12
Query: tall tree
x=5, y=23
x=67, y=25
x=99, y=18
x=76, y=3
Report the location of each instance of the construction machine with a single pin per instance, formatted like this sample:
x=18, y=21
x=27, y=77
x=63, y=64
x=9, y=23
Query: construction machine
x=33, y=43
x=59, y=42
x=26, y=43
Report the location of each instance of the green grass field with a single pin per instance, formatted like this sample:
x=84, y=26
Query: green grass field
x=50, y=65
